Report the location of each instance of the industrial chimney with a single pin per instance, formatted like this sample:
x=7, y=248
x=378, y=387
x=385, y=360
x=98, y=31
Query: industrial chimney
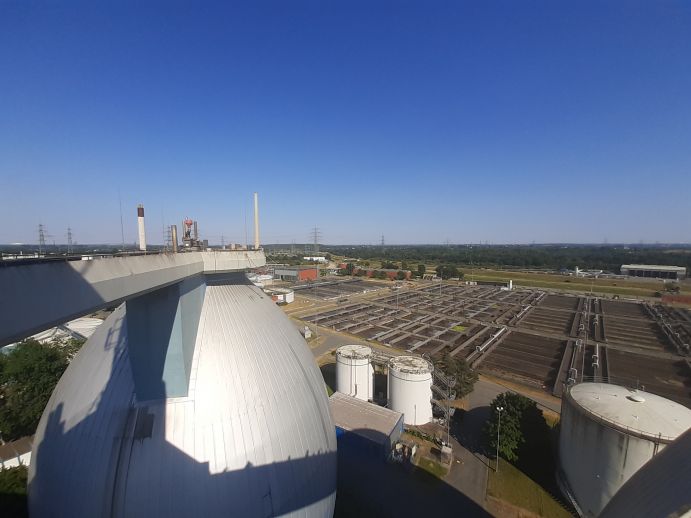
x=174, y=237
x=256, y=221
x=142, y=230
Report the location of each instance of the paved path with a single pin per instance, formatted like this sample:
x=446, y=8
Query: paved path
x=468, y=473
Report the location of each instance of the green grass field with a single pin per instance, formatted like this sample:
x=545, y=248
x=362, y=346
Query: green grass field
x=621, y=287
x=514, y=487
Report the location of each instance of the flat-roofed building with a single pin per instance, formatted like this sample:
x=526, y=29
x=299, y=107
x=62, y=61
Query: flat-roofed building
x=654, y=271
x=365, y=426
x=296, y=273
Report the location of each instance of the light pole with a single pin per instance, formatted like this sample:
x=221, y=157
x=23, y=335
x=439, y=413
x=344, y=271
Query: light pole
x=499, y=411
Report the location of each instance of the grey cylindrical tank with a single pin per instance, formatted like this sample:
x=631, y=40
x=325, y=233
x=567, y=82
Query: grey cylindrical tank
x=607, y=433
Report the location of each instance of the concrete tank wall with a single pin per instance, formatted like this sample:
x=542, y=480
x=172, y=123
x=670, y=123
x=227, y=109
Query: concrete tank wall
x=354, y=372
x=410, y=389
x=597, y=459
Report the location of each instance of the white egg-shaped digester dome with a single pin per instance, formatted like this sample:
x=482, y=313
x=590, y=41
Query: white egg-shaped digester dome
x=410, y=388
x=354, y=371
x=252, y=435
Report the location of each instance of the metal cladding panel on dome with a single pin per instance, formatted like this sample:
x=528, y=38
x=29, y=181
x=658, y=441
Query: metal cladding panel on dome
x=253, y=437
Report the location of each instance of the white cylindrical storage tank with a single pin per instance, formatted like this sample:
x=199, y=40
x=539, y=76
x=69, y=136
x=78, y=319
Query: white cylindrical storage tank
x=410, y=388
x=607, y=433
x=354, y=371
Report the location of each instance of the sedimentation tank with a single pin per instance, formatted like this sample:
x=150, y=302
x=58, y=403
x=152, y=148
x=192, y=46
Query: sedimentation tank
x=354, y=371
x=608, y=432
x=410, y=388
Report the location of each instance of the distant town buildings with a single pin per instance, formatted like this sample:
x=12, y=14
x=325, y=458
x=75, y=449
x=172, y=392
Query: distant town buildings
x=316, y=259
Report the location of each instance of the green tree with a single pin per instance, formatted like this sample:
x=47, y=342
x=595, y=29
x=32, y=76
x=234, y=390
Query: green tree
x=13, y=500
x=350, y=267
x=458, y=368
x=524, y=434
x=400, y=275
x=421, y=269
x=28, y=376
x=511, y=435
x=404, y=265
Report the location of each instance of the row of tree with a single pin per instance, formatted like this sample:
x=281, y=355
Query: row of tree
x=554, y=257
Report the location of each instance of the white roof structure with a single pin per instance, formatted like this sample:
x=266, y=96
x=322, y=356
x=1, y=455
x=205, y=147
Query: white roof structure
x=655, y=267
x=633, y=411
x=81, y=328
x=253, y=436
x=354, y=351
x=410, y=364
x=366, y=419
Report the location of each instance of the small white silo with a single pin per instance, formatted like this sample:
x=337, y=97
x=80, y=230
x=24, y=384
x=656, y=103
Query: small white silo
x=410, y=388
x=354, y=371
x=607, y=433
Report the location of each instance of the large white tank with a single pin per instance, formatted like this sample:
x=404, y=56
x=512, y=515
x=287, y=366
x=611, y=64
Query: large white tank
x=354, y=371
x=608, y=433
x=410, y=388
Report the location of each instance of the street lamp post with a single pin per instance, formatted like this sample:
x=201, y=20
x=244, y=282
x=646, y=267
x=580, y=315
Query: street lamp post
x=499, y=411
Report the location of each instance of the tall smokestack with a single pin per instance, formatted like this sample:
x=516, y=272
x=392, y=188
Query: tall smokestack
x=256, y=221
x=142, y=230
x=174, y=237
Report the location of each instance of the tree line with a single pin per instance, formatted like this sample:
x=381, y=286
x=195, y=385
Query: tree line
x=597, y=257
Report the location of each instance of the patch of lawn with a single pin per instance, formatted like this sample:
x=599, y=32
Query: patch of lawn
x=459, y=329
x=432, y=467
x=514, y=487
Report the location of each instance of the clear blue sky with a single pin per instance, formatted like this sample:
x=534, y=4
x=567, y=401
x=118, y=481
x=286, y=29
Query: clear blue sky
x=505, y=122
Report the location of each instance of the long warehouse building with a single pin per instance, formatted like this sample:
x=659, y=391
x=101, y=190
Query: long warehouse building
x=654, y=271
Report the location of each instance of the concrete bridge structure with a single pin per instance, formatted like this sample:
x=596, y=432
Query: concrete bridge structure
x=41, y=295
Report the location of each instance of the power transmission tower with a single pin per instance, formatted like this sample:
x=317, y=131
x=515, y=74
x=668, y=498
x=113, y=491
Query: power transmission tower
x=41, y=238
x=382, y=243
x=69, y=241
x=316, y=236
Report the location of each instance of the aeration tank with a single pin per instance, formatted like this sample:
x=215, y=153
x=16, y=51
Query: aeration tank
x=354, y=371
x=410, y=388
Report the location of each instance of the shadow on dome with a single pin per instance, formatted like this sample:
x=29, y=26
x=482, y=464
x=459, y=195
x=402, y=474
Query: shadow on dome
x=100, y=452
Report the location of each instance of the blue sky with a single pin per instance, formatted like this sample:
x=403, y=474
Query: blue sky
x=507, y=122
